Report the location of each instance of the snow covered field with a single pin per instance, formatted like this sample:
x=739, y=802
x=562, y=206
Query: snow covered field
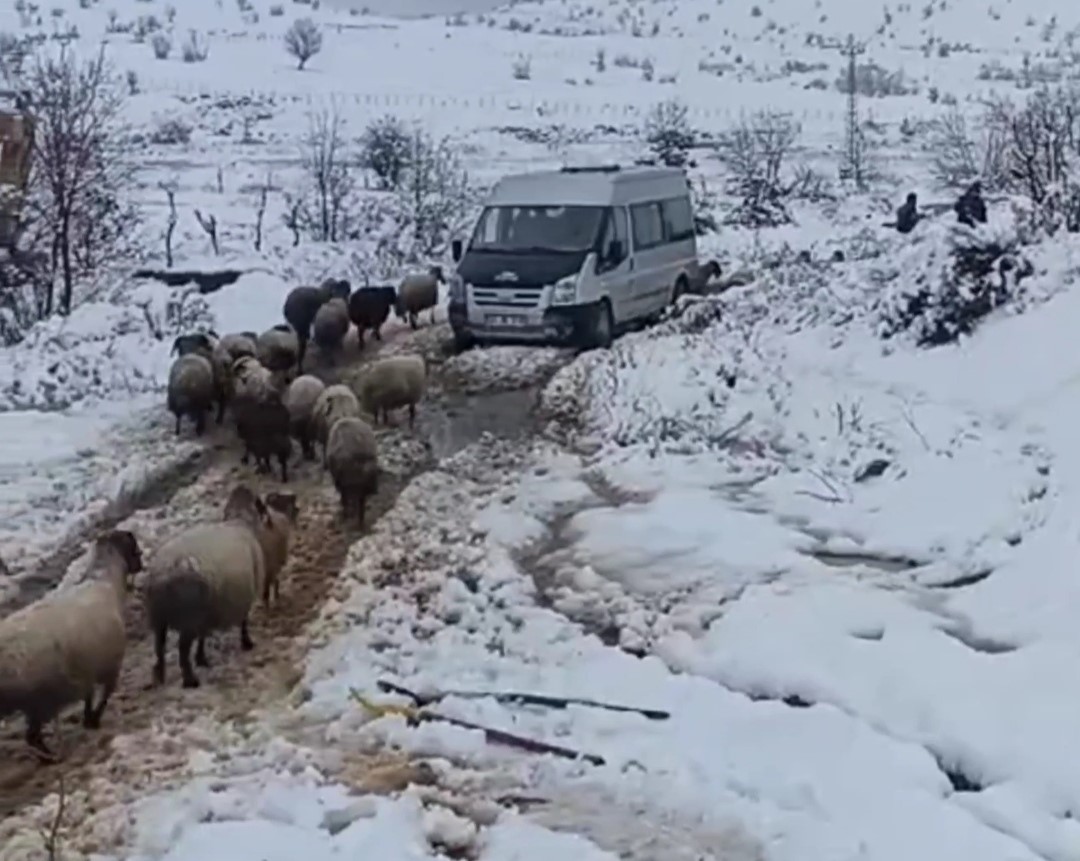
x=841, y=562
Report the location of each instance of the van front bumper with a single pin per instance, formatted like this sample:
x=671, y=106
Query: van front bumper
x=535, y=325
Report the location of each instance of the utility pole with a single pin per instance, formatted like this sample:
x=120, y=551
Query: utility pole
x=852, y=166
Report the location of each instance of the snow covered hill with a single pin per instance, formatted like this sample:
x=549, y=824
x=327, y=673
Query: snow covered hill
x=840, y=559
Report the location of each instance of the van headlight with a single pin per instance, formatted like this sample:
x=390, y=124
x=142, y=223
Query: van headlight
x=564, y=292
x=457, y=288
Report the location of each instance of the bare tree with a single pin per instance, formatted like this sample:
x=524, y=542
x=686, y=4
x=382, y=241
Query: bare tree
x=303, y=40
x=433, y=191
x=210, y=227
x=260, y=208
x=170, y=226
x=960, y=154
x=79, y=164
x=323, y=211
x=755, y=154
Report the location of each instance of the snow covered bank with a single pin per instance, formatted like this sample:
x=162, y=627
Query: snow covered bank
x=455, y=611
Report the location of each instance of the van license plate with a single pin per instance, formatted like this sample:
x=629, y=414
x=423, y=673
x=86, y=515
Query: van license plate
x=508, y=320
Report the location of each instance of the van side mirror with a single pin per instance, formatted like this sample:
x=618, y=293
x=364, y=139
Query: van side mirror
x=615, y=251
x=456, y=250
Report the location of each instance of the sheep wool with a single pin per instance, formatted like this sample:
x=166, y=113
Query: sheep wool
x=300, y=400
x=278, y=348
x=191, y=390
x=391, y=383
x=337, y=401
x=205, y=579
x=331, y=325
x=272, y=531
x=417, y=293
x=226, y=351
x=57, y=651
x=301, y=306
x=352, y=458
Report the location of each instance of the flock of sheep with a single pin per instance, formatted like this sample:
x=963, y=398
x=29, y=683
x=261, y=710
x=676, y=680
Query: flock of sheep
x=207, y=578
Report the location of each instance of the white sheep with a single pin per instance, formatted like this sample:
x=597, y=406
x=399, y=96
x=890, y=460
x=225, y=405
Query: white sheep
x=331, y=325
x=278, y=348
x=300, y=400
x=226, y=351
x=59, y=649
x=390, y=383
x=336, y=402
x=206, y=579
x=352, y=458
x=418, y=292
x=273, y=535
x=192, y=390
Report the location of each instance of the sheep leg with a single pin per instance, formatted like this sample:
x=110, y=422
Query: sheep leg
x=301, y=352
x=107, y=689
x=35, y=740
x=178, y=425
x=412, y=415
x=360, y=337
x=187, y=640
x=200, y=423
x=221, y=411
x=307, y=446
x=414, y=320
x=160, y=634
x=377, y=331
x=200, y=653
x=361, y=509
x=88, y=710
x=283, y=459
x=246, y=643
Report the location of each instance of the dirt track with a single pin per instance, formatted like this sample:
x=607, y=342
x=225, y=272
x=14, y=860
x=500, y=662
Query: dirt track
x=237, y=682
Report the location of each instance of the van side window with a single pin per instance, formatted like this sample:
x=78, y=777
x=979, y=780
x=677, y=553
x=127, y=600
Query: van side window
x=648, y=225
x=678, y=219
x=615, y=228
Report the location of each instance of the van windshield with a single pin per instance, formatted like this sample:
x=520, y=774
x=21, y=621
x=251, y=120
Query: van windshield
x=537, y=229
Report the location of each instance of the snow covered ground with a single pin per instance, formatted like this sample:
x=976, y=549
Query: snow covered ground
x=843, y=564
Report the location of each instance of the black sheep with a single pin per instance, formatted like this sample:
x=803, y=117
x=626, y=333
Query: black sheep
x=369, y=307
x=301, y=306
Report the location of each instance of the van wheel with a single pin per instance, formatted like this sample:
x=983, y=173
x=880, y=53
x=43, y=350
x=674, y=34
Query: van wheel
x=600, y=332
x=681, y=286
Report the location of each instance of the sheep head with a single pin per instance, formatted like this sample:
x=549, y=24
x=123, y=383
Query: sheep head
x=245, y=504
x=196, y=342
x=122, y=543
x=285, y=503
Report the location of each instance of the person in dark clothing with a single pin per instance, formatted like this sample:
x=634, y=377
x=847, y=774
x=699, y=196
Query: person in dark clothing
x=970, y=207
x=907, y=216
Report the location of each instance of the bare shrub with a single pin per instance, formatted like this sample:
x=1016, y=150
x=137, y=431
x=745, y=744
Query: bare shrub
x=196, y=49
x=209, y=225
x=755, y=154
x=80, y=168
x=277, y=11
x=384, y=150
x=170, y=225
x=303, y=40
x=170, y=131
x=322, y=210
x=874, y=81
x=434, y=191
x=960, y=154
x=522, y=68
x=161, y=45
x=668, y=132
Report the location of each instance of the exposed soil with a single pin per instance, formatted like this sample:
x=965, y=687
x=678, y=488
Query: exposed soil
x=237, y=683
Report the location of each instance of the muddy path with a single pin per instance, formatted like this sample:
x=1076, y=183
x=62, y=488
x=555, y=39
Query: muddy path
x=238, y=683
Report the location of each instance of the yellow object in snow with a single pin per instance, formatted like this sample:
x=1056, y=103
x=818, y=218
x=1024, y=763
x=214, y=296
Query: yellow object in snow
x=384, y=710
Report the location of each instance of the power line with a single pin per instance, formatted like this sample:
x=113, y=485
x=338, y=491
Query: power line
x=853, y=166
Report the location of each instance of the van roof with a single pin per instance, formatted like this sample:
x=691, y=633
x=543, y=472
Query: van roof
x=599, y=186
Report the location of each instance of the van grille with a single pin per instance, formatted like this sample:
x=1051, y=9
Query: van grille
x=514, y=297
